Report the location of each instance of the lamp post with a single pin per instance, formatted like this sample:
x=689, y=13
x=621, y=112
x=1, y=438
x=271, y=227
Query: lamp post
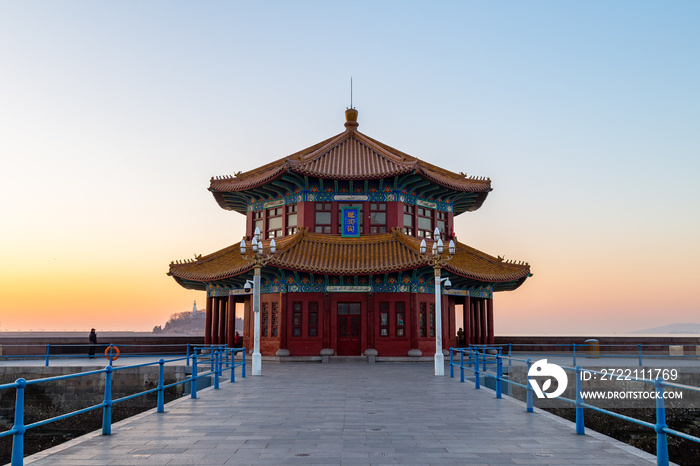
x=259, y=259
x=438, y=256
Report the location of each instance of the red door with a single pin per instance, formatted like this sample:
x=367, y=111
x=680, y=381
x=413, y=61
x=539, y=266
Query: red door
x=349, y=324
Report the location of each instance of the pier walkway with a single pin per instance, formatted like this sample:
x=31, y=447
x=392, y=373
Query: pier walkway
x=343, y=413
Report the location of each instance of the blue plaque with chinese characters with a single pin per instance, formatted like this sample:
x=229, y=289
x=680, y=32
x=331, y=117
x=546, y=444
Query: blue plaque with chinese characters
x=350, y=224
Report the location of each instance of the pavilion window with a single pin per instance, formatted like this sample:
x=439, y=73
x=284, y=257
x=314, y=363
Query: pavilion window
x=408, y=214
x=313, y=319
x=425, y=223
x=323, y=217
x=432, y=319
x=291, y=212
x=274, y=222
x=258, y=220
x=340, y=206
x=441, y=223
x=384, y=319
x=296, y=319
x=264, y=319
x=274, y=318
x=423, y=320
x=377, y=217
x=400, y=314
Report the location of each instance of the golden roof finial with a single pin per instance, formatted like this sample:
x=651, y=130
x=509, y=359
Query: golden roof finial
x=351, y=119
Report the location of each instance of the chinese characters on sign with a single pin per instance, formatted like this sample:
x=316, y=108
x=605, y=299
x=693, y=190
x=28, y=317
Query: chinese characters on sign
x=350, y=225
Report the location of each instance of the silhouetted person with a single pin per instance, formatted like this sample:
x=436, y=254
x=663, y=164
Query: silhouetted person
x=460, y=338
x=93, y=343
x=237, y=340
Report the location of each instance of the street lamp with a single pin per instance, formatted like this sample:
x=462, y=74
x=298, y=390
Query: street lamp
x=259, y=259
x=438, y=256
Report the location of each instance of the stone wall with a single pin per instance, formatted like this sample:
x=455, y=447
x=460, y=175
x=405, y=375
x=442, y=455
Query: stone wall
x=72, y=344
x=81, y=392
x=610, y=344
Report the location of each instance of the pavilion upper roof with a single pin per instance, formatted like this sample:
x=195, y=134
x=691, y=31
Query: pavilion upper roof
x=349, y=155
x=334, y=255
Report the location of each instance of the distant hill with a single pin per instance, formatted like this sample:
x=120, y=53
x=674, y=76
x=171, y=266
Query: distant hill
x=672, y=329
x=183, y=323
x=187, y=323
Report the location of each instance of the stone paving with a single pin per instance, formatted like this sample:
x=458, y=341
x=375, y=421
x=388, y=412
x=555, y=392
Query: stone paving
x=343, y=413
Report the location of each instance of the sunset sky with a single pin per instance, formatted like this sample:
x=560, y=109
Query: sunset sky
x=585, y=115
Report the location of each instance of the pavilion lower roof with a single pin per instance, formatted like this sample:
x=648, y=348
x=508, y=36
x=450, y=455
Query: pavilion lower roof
x=334, y=255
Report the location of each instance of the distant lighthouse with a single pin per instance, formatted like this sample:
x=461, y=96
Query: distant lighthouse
x=194, y=309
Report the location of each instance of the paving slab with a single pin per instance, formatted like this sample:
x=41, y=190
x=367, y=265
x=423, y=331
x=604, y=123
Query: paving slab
x=349, y=413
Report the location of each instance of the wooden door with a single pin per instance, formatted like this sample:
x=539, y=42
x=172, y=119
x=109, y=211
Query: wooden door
x=349, y=325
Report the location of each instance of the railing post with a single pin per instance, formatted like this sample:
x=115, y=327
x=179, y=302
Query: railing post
x=477, y=382
x=461, y=365
x=529, y=387
x=47, y=354
x=111, y=354
x=18, y=437
x=193, y=378
x=580, y=426
x=661, y=442
x=161, y=386
x=499, y=375
x=483, y=359
x=510, y=361
x=574, y=346
x=233, y=365
x=469, y=360
x=243, y=363
x=187, y=361
x=452, y=368
x=217, y=355
x=211, y=358
x=107, y=410
x=639, y=348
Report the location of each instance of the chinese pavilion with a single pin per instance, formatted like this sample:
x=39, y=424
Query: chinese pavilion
x=350, y=284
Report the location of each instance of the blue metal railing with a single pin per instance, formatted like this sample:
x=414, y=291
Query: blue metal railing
x=595, y=349
x=219, y=358
x=475, y=353
x=111, y=351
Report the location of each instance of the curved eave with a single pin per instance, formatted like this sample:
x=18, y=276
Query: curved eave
x=369, y=255
x=473, y=264
x=348, y=156
x=267, y=173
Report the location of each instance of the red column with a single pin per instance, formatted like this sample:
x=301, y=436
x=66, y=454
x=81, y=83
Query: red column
x=482, y=319
x=477, y=324
x=370, y=321
x=413, y=320
x=445, y=315
x=222, y=320
x=284, y=319
x=248, y=319
x=207, y=322
x=327, y=321
x=215, y=322
x=230, y=320
x=489, y=307
x=467, y=320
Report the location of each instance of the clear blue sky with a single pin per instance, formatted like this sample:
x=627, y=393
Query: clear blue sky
x=585, y=115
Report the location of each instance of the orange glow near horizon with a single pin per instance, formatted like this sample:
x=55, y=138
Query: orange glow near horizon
x=109, y=141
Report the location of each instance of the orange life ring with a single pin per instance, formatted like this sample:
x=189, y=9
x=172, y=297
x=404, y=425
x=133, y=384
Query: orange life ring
x=115, y=352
